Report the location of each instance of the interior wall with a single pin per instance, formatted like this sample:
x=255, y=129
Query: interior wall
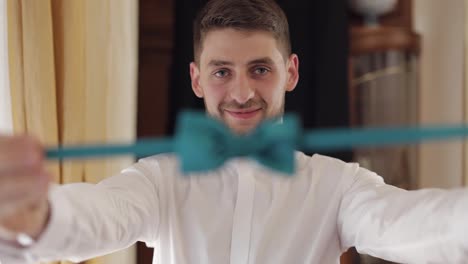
x=441, y=25
x=6, y=124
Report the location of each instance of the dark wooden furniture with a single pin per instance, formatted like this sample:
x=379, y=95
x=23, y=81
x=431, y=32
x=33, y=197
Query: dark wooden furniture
x=155, y=57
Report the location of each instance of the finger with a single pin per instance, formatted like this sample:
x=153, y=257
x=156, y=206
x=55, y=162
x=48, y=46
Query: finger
x=25, y=203
x=22, y=185
x=10, y=173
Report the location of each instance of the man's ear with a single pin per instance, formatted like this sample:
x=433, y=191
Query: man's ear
x=293, y=72
x=195, y=77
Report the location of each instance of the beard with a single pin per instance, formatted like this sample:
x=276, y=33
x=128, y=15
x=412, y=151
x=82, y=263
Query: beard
x=250, y=104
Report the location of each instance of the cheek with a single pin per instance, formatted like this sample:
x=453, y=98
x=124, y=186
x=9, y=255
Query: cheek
x=214, y=94
x=272, y=92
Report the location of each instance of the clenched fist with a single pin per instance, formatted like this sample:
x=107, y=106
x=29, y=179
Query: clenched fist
x=23, y=185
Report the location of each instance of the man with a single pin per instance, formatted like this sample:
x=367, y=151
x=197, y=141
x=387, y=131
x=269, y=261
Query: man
x=241, y=212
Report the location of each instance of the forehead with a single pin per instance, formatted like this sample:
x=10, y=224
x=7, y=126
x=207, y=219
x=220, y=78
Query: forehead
x=239, y=46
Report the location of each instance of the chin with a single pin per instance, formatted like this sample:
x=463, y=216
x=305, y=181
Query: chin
x=241, y=131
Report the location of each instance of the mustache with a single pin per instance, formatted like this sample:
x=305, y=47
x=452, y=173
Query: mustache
x=252, y=103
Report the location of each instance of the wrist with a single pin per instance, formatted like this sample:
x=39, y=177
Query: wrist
x=15, y=239
x=26, y=225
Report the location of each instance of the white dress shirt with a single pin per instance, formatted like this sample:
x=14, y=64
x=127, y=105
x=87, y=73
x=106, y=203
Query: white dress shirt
x=245, y=213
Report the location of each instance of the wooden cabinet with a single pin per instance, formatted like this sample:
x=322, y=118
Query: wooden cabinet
x=155, y=57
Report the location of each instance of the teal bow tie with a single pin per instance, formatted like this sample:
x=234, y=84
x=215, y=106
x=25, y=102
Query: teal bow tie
x=203, y=143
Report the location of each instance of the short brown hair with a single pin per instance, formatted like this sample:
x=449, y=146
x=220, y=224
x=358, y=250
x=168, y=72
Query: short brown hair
x=264, y=15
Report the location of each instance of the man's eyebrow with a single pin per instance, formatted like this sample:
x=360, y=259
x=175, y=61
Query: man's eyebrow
x=264, y=60
x=217, y=63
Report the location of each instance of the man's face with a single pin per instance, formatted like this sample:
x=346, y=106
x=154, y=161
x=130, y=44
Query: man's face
x=242, y=77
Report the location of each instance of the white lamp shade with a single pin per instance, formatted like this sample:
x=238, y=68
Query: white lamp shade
x=372, y=7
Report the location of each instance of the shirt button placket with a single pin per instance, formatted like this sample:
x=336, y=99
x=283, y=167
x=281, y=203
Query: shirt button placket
x=242, y=222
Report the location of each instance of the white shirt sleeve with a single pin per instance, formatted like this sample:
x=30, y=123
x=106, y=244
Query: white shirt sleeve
x=423, y=226
x=89, y=220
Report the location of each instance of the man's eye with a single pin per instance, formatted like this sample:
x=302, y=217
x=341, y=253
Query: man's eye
x=221, y=73
x=261, y=70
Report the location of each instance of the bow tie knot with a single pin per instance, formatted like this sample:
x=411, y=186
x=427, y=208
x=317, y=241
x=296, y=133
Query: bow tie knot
x=203, y=143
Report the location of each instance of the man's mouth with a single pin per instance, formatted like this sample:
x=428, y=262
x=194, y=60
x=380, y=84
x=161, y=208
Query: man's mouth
x=243, y=113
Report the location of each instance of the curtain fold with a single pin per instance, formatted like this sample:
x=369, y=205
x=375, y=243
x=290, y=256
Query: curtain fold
x=70, y=63
x=441, y=25
x=6, y=123
x=32, y=72
x=72, y=69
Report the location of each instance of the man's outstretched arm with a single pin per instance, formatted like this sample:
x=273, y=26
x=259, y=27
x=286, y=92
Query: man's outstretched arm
x=83, y=220
x=423, y=226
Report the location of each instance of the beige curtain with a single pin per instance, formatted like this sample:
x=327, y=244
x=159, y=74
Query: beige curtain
x=6, y=124
x=441, y=93
x=72, y=69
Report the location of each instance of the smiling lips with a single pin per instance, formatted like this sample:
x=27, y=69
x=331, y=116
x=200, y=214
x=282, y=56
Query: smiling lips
x=243, y=114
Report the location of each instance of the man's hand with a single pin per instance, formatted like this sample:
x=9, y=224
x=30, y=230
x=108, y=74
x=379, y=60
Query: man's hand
x=23, y=186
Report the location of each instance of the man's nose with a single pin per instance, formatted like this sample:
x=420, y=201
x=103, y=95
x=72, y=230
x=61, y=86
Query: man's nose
x=242, y=90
